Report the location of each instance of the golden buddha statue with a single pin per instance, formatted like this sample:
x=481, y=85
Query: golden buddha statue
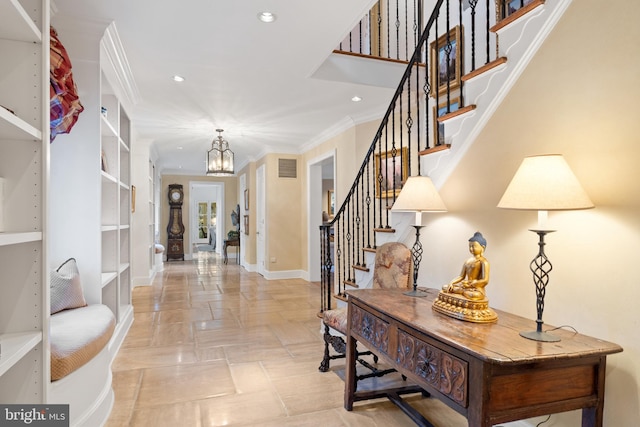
x=475, y=272
x=464, y=297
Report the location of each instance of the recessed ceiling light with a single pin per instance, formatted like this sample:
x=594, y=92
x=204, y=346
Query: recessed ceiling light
x=356, y=98
x=179, y=148
x=178, y=78
x=266, y=17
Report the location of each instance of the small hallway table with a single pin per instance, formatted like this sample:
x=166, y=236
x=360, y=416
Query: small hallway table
x=232, y=242
x=486, y=372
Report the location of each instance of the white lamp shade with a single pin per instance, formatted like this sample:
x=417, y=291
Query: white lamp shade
x=419, y=195
x=545, y=183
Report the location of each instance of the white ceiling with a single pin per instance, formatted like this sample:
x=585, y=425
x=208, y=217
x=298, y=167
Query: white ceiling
x=249, y=78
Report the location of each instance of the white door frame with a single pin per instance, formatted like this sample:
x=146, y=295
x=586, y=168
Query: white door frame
x=261, y=213
x=243, y=212
x=314, y=210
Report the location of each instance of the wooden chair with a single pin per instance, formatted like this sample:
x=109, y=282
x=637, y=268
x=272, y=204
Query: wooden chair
x=392, y=269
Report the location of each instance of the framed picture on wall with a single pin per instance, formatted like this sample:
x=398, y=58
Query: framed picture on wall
x=246, y=199
x=246, y=224
x=331, y=203
x=446, y=61
x=393, y=171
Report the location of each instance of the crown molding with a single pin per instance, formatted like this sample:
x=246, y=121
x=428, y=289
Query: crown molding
x=116, y=67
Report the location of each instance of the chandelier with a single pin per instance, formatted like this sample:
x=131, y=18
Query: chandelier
x=220, y=157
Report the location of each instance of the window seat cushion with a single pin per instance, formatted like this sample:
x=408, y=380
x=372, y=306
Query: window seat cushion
x=77, y=335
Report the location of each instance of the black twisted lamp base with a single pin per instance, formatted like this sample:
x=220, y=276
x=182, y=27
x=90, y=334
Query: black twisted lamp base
x=540, y=267
x=416, y=254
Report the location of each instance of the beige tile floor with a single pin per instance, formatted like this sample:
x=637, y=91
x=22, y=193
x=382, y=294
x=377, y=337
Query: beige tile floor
x=215, y=345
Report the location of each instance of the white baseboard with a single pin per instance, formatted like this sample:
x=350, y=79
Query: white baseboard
x=285, y=274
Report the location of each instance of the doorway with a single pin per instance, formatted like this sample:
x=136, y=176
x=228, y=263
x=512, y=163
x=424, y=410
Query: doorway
x=322, y=193
x=206, y=218
x=207, y=211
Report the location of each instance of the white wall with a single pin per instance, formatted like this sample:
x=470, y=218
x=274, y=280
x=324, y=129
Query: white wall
x=74, y=208
x=576, y=98
x=142, y=238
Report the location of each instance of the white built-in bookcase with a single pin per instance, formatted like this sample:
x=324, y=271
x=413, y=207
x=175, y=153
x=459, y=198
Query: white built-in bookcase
x=91, y=173
x=115, y=223
x=24, y=153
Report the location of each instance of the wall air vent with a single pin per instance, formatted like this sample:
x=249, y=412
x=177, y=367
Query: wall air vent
x=287, y=168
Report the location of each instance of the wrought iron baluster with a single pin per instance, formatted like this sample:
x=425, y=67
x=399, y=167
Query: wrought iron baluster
x=488, y=33
x=394, y=152
x=447, y=50
x=370, y=201
x=348, y=237
x=426, y=89
x=356, y=245
x=397, y=23
x=415, y=24
x=339, y=259
x=369, y=23
x=363, y=220
x=406, y=30
x=388, y=32
x=386, y=200
x=378, y=172
x=409, y=123
x=360, y=36
x=379, y=9
x=472, y=5
x=353, y=235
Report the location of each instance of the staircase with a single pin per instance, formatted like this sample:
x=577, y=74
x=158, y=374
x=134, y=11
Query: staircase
x=482, y=49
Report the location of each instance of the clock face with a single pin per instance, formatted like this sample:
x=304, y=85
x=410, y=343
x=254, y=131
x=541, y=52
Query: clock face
x=175, y=195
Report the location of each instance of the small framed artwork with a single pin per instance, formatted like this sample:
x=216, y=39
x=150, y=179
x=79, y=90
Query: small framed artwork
x=103, y=162
x=246, y=224
x=438, y=127
x=246, y=199
x=393, y=171
x=331, y=203
x=446, y=61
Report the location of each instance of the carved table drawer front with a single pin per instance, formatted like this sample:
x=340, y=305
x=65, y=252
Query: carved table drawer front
x=372, y=329
x=444, y=372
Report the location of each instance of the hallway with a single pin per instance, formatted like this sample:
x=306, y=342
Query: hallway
x=215, y=345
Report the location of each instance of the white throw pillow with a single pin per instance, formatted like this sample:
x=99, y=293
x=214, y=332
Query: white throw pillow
x=66, y=289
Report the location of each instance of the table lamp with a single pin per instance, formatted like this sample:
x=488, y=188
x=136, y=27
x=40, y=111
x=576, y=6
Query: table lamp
x=418, y=195
x=543, y=183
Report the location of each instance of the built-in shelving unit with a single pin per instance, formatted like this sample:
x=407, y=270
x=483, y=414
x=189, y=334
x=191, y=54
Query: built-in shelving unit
x=115, y=143
x=24, y=145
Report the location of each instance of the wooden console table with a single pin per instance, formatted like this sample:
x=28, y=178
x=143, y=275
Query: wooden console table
x=227, y=243
x=486, y=372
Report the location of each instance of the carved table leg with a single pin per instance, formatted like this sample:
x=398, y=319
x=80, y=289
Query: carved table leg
x=350, y=377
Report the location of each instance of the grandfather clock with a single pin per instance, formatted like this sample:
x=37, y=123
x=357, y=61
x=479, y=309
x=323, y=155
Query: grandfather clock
x=175, y=228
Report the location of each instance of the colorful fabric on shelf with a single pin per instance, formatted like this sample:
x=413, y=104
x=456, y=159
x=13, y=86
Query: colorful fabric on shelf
x=63, y=93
